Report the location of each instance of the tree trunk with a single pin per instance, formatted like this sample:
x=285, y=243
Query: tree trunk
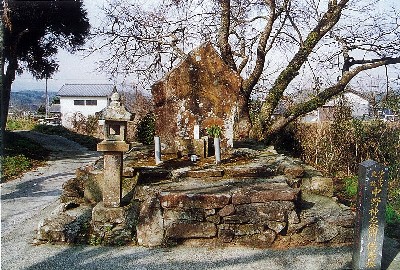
x=7, y=81
x=330, y=18
x=223, y=35
x=2, y=130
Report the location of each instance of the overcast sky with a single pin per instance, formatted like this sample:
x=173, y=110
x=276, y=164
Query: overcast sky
x=75, y=68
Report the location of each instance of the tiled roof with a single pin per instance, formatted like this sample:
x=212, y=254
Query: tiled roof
x=85, y=90
x=55, y=108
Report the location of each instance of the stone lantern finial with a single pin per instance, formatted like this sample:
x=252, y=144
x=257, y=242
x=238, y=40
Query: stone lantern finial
x=115, y=99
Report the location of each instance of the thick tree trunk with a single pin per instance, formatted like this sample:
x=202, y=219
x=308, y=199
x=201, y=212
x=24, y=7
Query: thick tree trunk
x=2, y=130
x=330, y=18
x=223, y=35
x=7, y=81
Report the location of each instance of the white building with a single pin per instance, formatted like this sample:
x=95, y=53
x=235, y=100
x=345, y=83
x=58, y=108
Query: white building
x=82, y=99
x=359, y=106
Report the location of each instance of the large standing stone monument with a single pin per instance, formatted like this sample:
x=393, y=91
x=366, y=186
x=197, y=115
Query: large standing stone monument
x=370, y=220
x=202, y=90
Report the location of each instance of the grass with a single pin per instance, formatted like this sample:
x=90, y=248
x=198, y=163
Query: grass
x=346, y=191
x=20, y=124
x=20, y=155
x=350, y=186
x=89, y=142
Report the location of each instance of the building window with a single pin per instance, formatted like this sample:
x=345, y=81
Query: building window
x=91, y=102
x=79, y=102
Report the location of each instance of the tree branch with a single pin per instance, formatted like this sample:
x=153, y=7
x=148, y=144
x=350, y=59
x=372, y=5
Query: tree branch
x=328, y=20
x=326, y=95
x=252, y=80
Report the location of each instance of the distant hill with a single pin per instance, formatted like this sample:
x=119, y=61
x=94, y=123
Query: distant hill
x=29, y=100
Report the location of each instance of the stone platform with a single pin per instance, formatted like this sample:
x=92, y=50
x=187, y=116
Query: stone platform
x=247, y=211
x=255, y=198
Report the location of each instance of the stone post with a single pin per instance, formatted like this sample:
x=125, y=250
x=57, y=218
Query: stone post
x=157, y=150
x=112, y=176
x=370, y=219
x=217, y=150
x=196, y=132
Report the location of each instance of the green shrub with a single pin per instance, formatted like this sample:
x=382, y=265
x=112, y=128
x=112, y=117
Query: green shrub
x=351, y=185
x=214, y=131
x=20, y=155
x=20, y=124
x=13, y=166
x=146, y=129
x=391, y=215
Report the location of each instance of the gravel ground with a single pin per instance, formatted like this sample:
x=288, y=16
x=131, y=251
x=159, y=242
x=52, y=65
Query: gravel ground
x=25, y=201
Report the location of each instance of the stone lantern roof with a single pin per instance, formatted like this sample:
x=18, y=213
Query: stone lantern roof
x=116, y=111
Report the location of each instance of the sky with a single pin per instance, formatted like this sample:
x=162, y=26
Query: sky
x=76, y=68
x=73, y=68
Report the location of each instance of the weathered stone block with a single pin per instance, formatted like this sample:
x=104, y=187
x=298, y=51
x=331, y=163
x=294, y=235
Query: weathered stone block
x=345, y=219
x=172, y=216
x=72, y=191
x=227, y=210
x=216, y=219
x=150, y=228
x=318, y=185
x=325, y=232
x=113, y=226
x=206, y=173
x=246, y=229
x=187, y=200
x=260, y=213
x=226, y=235
x=294, y=171
x=290, y=168
x=276, y=226
x=345, y=235
x=265, y=192
x=236, y=219
x=93, y=186
x=191, y=230
x=69, y=226
x=104, y=214
x=262, y=240
x=256, y=170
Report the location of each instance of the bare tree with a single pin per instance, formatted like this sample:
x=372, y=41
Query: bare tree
x=275, y=45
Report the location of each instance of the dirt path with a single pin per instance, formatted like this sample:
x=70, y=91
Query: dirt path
x=24, y=197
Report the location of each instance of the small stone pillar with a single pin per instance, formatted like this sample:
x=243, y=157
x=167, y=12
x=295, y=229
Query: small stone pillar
x=157, y=150
x=113, y=146
x=217, y=148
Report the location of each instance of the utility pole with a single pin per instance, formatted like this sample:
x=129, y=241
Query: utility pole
x=46, y=102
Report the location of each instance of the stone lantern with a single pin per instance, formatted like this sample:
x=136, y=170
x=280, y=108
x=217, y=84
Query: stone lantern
x=115, y=119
